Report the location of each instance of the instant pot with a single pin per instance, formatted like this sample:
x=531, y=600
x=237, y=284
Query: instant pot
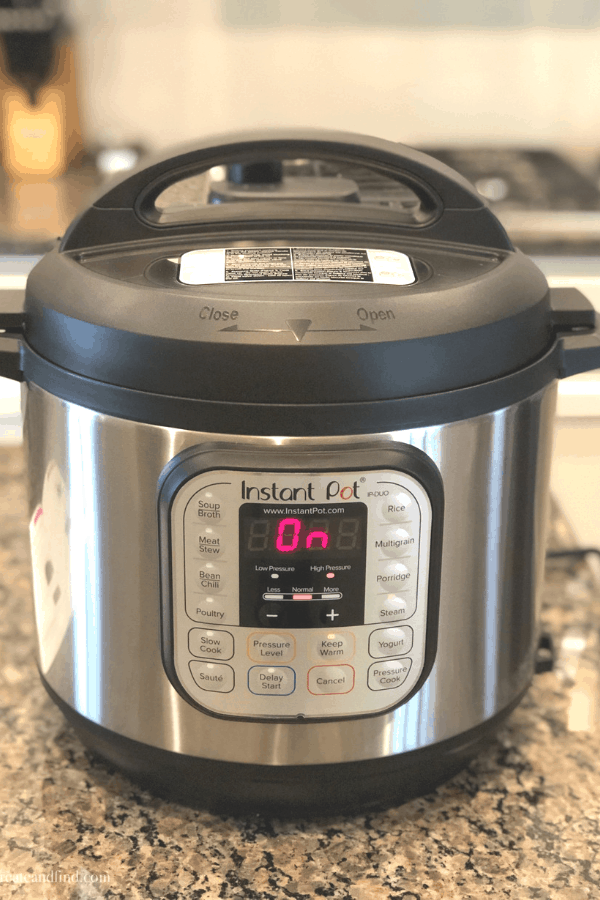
x=288, y=405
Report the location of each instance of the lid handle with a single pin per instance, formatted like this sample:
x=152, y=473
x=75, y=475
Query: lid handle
x=127, y=210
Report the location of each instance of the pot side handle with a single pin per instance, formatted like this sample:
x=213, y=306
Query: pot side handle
x=577, y=327
x=12, y=326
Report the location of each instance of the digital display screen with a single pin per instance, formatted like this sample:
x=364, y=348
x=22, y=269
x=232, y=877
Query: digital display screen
x=300, y=563
x=302, y=536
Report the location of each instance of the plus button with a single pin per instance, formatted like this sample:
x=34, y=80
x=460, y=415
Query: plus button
x=332, y=615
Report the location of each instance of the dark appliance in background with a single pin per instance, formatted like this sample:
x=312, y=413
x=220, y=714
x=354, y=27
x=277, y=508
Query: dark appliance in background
x=548, y=202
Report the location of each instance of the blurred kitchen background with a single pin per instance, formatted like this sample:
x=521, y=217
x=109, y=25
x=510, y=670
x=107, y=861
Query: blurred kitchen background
x=506, y=91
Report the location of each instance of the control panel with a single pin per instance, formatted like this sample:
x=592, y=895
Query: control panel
x=297, y=594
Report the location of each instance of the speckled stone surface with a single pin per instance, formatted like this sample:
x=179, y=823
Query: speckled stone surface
x=522, y=822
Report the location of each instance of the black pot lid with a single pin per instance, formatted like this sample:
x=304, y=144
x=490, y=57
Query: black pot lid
x=289, y=268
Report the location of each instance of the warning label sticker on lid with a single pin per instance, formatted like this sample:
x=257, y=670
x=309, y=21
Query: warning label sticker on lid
x=346, y=264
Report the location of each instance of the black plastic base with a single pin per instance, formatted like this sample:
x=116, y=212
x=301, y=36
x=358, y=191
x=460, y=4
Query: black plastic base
x=313, y=791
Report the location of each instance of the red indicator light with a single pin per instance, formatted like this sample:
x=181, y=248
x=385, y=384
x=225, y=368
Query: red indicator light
x=330, y=575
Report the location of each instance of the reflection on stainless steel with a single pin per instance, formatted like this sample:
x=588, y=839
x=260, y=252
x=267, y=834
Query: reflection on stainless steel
x=114, y=570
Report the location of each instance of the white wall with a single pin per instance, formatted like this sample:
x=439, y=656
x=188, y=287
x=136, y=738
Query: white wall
x=168, y=71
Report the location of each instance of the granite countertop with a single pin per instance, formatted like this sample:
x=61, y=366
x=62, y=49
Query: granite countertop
x=522, y=822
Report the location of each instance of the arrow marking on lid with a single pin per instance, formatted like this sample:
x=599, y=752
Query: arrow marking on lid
x=298, y=327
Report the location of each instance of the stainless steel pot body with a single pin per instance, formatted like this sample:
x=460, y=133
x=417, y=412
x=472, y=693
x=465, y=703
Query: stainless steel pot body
x=93, y=488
